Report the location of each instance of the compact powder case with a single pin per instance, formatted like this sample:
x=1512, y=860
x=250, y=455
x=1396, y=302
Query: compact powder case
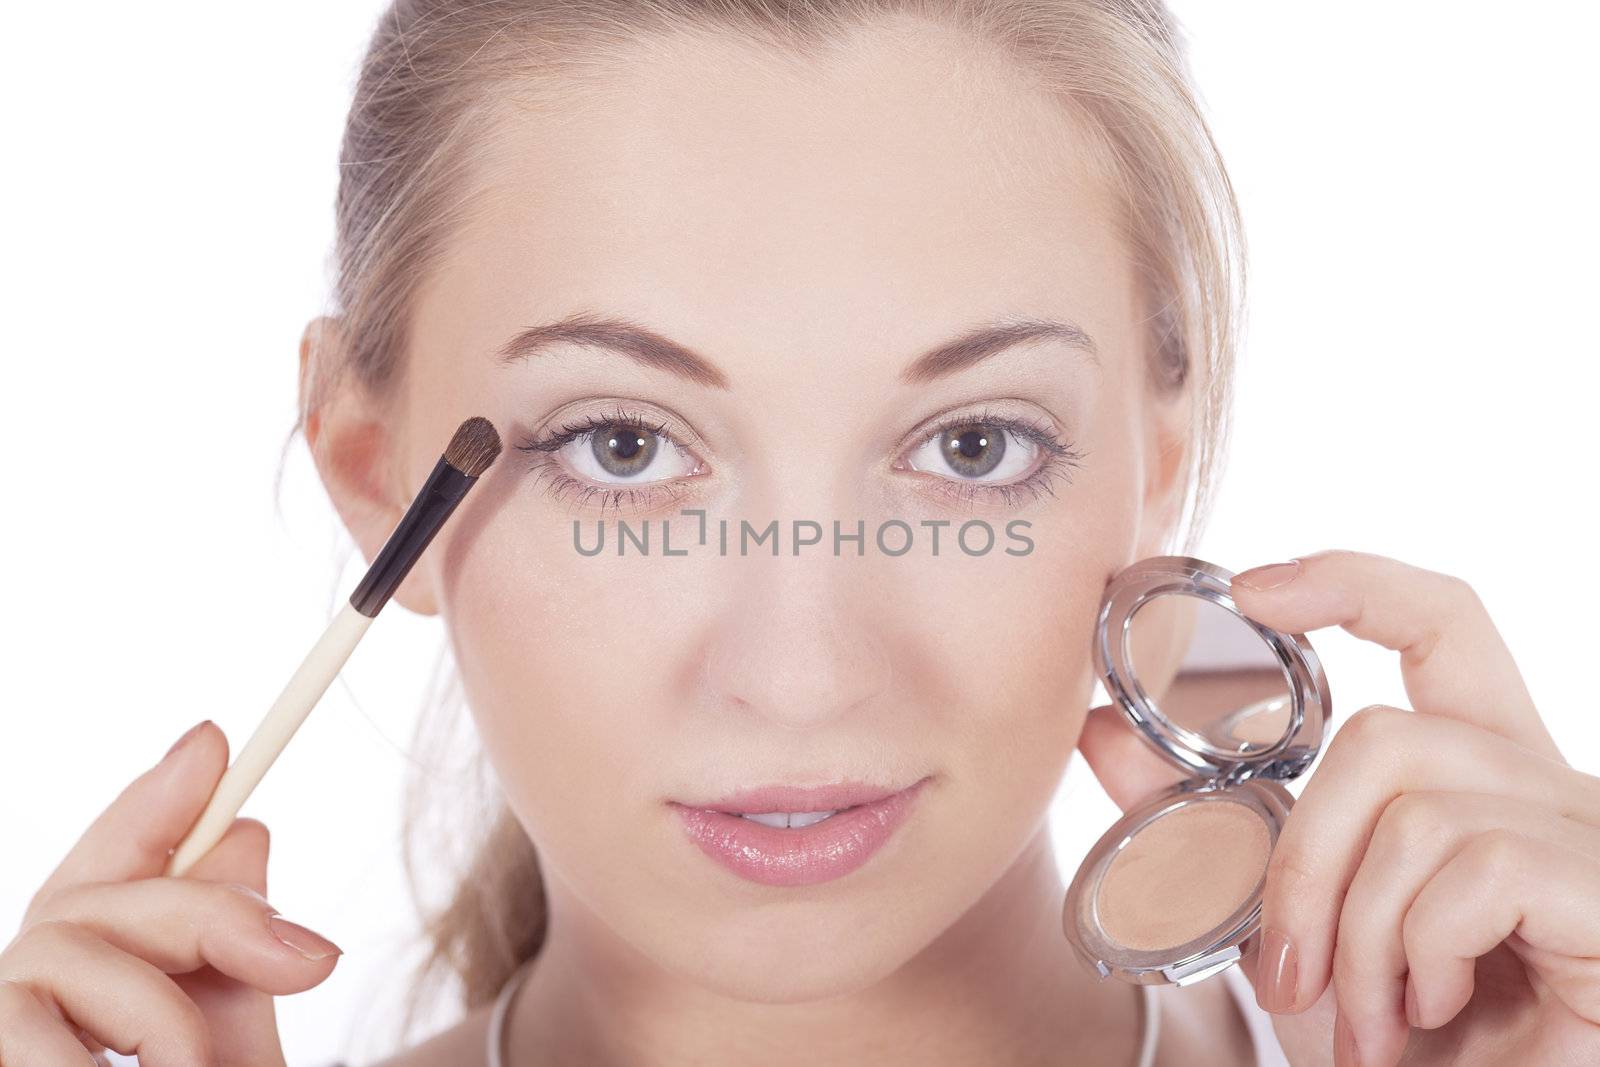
x=1172, y=892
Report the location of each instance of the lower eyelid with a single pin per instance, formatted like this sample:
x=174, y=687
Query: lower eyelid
x=566, y=487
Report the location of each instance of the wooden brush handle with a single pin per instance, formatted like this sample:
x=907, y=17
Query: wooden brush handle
x=305, y=688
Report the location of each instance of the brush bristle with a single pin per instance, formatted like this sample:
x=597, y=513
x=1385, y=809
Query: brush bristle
x=475, y=446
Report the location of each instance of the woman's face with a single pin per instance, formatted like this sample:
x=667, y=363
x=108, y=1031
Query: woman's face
x=807, y=230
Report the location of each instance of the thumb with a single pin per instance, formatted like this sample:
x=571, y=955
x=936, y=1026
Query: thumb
x=1127, y=766
x=239, y=856
x=1307, y=1036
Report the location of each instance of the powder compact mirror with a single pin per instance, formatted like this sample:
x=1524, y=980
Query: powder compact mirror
x=1172, y=892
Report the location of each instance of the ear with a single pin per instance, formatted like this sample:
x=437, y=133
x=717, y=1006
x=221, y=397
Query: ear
x=349, y=433
x=1166, y=460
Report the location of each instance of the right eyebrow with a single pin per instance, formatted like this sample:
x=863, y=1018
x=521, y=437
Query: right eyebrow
x=616, y=335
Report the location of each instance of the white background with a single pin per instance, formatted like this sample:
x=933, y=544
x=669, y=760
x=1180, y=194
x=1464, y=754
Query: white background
x=1418, y=182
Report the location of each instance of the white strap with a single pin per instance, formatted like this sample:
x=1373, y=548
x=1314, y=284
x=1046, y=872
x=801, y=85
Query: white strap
x=502, y=1005
x=1151, y=1027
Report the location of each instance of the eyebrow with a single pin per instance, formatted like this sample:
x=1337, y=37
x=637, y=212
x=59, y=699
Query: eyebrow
x=651, y=349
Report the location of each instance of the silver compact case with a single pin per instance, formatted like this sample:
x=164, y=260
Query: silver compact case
x=1171, y=893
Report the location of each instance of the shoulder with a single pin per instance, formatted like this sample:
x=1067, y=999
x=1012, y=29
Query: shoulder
x=459, y=1045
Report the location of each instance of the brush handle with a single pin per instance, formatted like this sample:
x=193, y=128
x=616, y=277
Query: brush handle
x=305, y=688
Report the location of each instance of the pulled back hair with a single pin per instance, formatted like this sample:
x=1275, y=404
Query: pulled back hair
x=429, y=79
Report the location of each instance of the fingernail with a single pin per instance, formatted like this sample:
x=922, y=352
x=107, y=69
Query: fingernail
x=1345, y=1053
x=312, y=946
x=186, y=738
x=1279, y=972
x=1270, y=576
x=1413, y=1013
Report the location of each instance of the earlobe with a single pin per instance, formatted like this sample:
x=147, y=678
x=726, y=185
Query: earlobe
x=347, y=430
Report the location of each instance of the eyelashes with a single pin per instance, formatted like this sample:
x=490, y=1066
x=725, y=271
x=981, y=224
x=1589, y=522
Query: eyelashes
x=982, y=443
x=626, y=459
x=613, y=449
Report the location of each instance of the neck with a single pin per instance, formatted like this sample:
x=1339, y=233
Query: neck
x=999, y=986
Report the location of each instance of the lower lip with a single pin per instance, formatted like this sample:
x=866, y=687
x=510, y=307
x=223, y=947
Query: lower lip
x=806, y=855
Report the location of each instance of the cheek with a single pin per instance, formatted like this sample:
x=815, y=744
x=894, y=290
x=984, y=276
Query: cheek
x=998, y=650
x=570, y=663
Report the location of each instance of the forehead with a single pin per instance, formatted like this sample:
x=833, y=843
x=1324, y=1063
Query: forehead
x=904, y=182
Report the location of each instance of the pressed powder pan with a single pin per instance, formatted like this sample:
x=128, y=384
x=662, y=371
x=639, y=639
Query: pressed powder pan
x=1172, y=892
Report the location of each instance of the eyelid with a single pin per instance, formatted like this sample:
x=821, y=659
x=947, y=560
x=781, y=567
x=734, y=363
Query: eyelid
x=623, y=409
x=556, y=433
x=1039, y=430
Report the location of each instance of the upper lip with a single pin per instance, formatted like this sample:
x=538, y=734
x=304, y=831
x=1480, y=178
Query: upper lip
x=766, y=799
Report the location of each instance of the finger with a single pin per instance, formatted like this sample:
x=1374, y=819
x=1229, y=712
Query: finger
x=1416, y=836
x=1452, y=658
x=239, y=856
x=1502, y=881
x=1126, y=765
x=243, y=1019
x=181, y=924
x=1379, y=754
x=132, y=837
x=31, y=1033
x=146, y=1016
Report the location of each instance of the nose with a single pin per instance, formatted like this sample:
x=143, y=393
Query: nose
x=795, y=644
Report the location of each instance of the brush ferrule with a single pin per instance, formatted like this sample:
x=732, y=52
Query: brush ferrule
x=433, y=504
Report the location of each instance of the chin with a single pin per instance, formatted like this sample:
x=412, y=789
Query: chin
x=794, y=953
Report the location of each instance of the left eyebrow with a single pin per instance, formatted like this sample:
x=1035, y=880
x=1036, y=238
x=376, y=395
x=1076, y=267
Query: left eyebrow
x=990, y=339
x=654, y=350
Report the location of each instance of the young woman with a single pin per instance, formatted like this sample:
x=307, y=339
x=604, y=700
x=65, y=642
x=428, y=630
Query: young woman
x=828, y=262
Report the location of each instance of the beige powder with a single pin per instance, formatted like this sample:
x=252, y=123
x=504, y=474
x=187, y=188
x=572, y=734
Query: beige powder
x=1183, y=874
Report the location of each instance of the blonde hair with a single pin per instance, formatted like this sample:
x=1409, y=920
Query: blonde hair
x=429, y=79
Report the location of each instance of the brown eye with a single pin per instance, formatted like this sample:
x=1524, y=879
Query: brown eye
x=623, y=451
x=978, y=451
x=613, y=451
x=973, y=450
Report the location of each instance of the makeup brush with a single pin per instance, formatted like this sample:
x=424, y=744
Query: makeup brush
x=474, y=447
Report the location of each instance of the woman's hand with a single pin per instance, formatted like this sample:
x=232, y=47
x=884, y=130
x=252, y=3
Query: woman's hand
x=1436, y=887
x=178, y=971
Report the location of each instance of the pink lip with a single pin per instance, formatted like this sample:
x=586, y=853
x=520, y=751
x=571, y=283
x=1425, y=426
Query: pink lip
x=806, y=855
x=769, y=798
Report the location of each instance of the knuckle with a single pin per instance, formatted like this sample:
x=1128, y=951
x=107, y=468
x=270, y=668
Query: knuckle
x=1461, y=591
x=186, y=1037
x=1409, y=823
x=39, y=945
x=15, y=998
x=60, y=904
x=39, y=904
x=1372, y=725
x=51, y=932
x=1289, y=873
x=1415, y=936
x=257, y=829
x=1347, y=973
x=236, y=890
x=1494, y=853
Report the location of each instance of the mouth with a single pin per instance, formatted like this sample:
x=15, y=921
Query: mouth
x=804, y=800
x=790, y=836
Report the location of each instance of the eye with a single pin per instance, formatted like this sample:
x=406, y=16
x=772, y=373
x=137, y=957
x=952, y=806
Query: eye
x=995, y=456
x=612, y=459
x=626, y=452
x=976, y=451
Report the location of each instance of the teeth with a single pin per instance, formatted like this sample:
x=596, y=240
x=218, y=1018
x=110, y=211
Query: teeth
x=790, y=819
